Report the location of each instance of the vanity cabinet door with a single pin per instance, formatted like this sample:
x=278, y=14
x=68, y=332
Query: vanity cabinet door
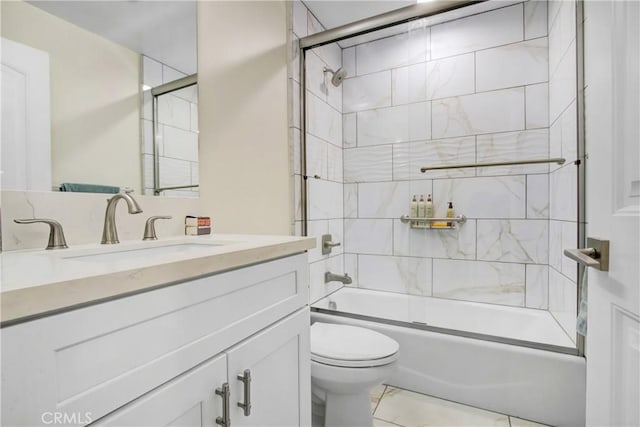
x=188, y=400
x=278, y=361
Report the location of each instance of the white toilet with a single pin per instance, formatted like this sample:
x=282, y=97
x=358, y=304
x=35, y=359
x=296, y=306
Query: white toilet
x=346, y=363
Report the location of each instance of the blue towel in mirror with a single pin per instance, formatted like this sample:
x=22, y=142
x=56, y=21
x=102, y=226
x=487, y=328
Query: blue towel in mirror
x=89, y=188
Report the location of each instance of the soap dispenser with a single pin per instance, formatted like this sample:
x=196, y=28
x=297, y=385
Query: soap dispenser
x=422, y=211
x=414, y=209
x=450, y=213
x=429, y=207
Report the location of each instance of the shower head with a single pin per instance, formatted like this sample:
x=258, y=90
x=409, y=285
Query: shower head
x=337, y=76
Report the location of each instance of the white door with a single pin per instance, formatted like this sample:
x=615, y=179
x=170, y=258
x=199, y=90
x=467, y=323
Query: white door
x=26, y=118
x=278, y=362
x=612, y=51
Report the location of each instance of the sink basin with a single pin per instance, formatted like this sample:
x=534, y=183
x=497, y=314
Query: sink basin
x=174, y=249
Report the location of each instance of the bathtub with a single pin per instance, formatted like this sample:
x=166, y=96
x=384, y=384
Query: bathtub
x=477, y=354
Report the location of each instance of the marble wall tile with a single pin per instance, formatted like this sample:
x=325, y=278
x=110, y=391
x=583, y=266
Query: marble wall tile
x=562, y=84
x=537, y=286
x=317, y=288
x=368, y=236
x=366, y=92
x=522, y=241
x=294, y=137
x=316, y=156
x=555, y=245
x=553, y=6
x=316, y=78
x=294, y=101
x=408, y=158
x=299, y=19
x=452, y=76
x=535, y=19
x=349, y=61
x=506, y=146
x=485, y=30
x=486, y=197
x=459, y=243
x=391, y=52
x=537, y=106
x=569, y=241
x=323, y=121
x=174, y=111
x=368, y=164
x=562, y=33
x=515, y=64
x=317, y=228
x=407, y=275
x=298, y=182
x=394, y=124
x=180, y=144
x=174, y=172
x=349, y=130
x=350, y=197
x=351, y=268
x=334, y=163
x=562, y=301
x=563, y=188
x=492, y=282
x=334, y=93
x=564, y=135
x=147, y=105
x=383, y=199
x=538, y=196
x=325, y=199
x=496, y=111
x=408, y=84
x=194, y=117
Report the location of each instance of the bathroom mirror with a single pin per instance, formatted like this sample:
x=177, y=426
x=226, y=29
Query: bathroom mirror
x=94, y=64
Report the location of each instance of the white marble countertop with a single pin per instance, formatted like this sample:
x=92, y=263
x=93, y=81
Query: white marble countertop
x=36, y=283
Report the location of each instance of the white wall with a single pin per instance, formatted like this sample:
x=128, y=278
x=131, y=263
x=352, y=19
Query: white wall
x=94, y=98
x=244, y=149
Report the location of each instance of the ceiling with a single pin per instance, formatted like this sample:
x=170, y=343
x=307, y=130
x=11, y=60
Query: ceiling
x=162, y=30
x=336, y=13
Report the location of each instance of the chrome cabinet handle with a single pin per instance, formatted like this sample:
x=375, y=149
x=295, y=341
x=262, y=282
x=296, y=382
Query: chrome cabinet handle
x=246, y=380
x=150, y=227
x=56, y=234
x=596, y=255
x=223, y=392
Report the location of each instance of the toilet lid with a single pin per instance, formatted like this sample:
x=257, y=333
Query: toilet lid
x=343, y=343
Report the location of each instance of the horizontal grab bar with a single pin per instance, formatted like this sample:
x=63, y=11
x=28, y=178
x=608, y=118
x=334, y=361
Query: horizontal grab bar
x=558, y=160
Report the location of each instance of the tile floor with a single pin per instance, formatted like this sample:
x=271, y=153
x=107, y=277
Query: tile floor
x=393, y=407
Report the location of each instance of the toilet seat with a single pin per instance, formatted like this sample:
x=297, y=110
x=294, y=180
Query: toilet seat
x=351, y=346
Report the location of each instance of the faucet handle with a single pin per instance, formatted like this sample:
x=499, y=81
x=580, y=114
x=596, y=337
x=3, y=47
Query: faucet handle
x=56, y=234
x=150, y=228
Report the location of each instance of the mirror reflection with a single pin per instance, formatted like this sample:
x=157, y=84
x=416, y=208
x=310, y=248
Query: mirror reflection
x=77, y=106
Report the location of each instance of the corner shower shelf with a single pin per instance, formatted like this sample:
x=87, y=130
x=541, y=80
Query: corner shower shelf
x=428, y=223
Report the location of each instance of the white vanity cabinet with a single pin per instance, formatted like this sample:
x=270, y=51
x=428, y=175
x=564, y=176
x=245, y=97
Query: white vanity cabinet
x=157, y=358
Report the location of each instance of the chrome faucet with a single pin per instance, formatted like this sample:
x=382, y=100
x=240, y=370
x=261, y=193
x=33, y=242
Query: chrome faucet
x=330, y=277
x=110, y=233
x=56, y=235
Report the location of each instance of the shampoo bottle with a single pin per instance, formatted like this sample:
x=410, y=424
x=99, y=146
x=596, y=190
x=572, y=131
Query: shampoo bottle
x=450, y=214
x=421, y=209
x=414, y=209
x=429, y=207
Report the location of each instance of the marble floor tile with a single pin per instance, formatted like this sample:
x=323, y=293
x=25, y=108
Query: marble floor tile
x=407, y=408
x=376, y=395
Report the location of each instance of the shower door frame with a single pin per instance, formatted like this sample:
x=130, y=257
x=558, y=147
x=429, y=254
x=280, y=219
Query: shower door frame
x=424, y=10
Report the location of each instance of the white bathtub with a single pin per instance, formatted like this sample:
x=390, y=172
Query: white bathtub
x=539, y=385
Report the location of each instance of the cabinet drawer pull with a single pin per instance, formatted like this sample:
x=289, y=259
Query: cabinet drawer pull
x=246, y=380
x=223, y=392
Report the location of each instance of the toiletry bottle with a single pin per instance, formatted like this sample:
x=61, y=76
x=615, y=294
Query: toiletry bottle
x=450, y=214
x=422, y=210
x=414, y=210
x=429, y=207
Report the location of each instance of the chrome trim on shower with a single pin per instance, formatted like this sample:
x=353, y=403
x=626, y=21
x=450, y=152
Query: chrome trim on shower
x=175, y=85
x=389, y=19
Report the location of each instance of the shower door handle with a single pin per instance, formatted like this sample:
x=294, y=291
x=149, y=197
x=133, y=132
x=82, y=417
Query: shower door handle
x=596, y=255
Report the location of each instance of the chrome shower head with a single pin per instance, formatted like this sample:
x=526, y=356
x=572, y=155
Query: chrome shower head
x=337, y=76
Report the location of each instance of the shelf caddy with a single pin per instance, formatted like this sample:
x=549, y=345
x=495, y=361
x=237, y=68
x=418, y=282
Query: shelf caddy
x=428, y=223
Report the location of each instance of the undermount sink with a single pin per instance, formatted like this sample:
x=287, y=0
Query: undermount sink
x=128, y=253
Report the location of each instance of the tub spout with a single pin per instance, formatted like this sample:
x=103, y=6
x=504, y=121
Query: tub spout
x=330, y=277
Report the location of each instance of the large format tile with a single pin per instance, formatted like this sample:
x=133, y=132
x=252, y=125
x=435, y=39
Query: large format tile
x=537, y=106
x=180, y=144
x=538, y=196
x=394, y=124
x=316, y=156
x=383, y=199
x=174, y=172
x=451, y=76
x=562, y=84
x=486, y=197
x=562, y=32
x=366, y=92
x=349, y=130
x=368, y=164
x=323, y=121
x=315, y=77
x=507, y=146
x=489, y=112
x=537, y=286
x=174, y=111
x=299, y=19
x=485, y=30
x=562, y=301
x=349, y=61
x=524, y=241
x=492, y=282
x=391, y=52
x=368, y=236
x=407, y=275
x=407, y=408
x=512, y=65
x=458, y=243
x=408, y=84
x=563, y=135
x=563, y=184
x=350, y=200
x=325, y=199
x=317, y=287
x=535, y=19
x=408, y=158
